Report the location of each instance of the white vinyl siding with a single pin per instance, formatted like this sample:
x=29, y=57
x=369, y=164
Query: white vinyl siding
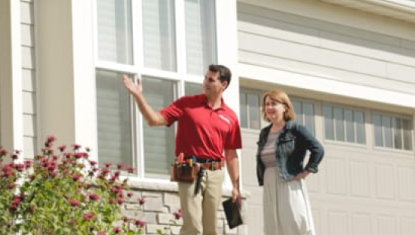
x=28, y=80
x=284, y=41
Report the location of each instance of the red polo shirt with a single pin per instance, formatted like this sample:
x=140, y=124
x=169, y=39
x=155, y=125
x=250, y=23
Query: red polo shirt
x=202, y=131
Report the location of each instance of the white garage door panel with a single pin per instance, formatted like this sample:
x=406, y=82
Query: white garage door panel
x=357, y=191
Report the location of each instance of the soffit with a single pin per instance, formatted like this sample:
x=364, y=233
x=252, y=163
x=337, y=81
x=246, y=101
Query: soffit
x=398, y=9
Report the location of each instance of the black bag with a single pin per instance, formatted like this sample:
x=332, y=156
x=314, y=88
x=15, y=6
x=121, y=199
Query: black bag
x=232, y=212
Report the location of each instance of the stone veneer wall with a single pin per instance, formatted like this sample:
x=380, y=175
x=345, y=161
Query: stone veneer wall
x=161, y=201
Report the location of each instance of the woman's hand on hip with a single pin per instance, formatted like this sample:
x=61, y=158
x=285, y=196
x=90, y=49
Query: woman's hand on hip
x=302, y=175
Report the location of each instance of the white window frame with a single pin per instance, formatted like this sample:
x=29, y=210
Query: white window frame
x=392, y=115
x=345, y=142
x=181, y=76
x=253, y=92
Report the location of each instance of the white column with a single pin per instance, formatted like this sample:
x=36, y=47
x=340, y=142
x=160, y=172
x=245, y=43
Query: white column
x=227, y=43
x=11, y=120
x=66, y=72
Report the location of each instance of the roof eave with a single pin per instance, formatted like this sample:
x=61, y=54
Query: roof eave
x=398, y=9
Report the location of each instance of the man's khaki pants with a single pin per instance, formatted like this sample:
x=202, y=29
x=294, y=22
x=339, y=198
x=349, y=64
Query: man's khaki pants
x=199, y=211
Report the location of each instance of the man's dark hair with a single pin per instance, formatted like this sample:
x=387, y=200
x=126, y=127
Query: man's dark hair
x=224, y=73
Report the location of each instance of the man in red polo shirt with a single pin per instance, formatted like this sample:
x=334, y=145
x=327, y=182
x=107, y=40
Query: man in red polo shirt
x=209, y=130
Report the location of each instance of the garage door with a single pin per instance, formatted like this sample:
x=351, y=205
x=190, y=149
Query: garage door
x=366, y=181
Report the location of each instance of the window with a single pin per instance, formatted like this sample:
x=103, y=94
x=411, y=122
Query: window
x=392, y=132
x=304, y=114
x=159, y=35
x=114, y=119
x=200, y=35
x=159, y=141
x=342, y=124
x=191, y=88
x=170, y=45
x=114, y=31
x=250, y=106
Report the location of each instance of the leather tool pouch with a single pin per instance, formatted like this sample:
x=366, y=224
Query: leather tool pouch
x=183, y=173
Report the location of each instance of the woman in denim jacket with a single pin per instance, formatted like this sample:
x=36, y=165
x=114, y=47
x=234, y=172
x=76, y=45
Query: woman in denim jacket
x=282, y=148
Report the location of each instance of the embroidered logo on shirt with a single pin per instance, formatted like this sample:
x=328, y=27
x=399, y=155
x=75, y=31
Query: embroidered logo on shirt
x=224, y=118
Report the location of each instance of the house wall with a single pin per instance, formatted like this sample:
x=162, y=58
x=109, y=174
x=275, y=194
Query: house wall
x=18, y=83
x=326, y=53
x=66, y=99
x=348, y=52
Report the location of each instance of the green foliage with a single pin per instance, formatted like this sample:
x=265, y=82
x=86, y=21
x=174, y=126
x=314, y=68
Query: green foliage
x=63, y=193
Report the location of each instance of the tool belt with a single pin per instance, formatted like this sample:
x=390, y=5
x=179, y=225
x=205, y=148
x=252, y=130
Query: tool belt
x=183, y=173
x=186, y=169
x=211, y=165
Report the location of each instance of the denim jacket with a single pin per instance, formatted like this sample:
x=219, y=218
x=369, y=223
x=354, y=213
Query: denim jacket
x=291, y=147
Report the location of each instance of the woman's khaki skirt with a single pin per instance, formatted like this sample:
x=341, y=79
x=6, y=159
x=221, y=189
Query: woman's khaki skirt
x=286, y=206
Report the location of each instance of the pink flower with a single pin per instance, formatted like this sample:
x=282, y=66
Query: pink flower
x=62, y=148
x=27, y=164
x=93, y=197
x=19, y=167
x=12, y=208
x=81, y=155
x=88, y=216
x=74, y=203
x=120, y=200
x=141, y=200
x=130, y=169
x=140, y=223
x=49, y=141
x=76, y=146
x=51, y=138
x=107, y=164
x=3, y=152
x=53, y=174
x=130, y=194
x=101, y=233
x=117, y=230
x=178, y=214
x=76, y=176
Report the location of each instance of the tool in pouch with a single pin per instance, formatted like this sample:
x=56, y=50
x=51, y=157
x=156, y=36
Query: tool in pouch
x=184, y=170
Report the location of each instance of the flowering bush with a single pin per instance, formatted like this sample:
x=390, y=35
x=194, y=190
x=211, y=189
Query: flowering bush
x=64, y=193
x=167, y=229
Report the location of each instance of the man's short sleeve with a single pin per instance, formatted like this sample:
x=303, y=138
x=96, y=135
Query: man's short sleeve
x=172, y=112
x=235, y=140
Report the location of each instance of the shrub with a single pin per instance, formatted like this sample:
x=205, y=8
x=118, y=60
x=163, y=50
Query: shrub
x=63, y=193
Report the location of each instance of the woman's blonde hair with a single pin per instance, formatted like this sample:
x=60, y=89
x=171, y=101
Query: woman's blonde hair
x=281, y=97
